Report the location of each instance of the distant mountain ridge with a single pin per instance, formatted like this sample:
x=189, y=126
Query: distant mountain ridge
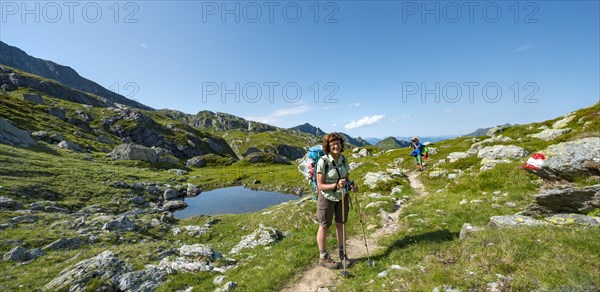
x=483, y=131
x=310, y=129
x=392, y=143
x=17, y=58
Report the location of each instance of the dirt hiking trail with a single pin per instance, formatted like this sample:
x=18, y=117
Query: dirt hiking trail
x=316, y=276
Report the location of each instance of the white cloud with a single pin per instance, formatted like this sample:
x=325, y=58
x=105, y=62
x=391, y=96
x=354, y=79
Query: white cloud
x=406, y=116
x=334, y=125
x=524, y=47
x=364, y=121
x=448, y=110
x=354, y=104
x=144, y=46
x=277, y=114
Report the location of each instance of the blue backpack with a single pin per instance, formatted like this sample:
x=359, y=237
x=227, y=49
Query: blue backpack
x=314, y=154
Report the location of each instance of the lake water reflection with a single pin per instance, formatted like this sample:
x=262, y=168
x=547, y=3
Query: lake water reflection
x=232, y=200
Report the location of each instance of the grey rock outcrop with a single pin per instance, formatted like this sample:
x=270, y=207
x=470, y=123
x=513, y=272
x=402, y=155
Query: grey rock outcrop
x=66, y=144
x=58, y=113
x=262, y=157
x=11, y=135
x=572, y=159
x=9, y=204
x=468, y=229
x=197, y=250
x=502, y=152
x=196, y=161
x=33, y=98
x=64, y=243
x=18, y=254
x=454, y=156
x=262, y=236
x=174, y=205
x=120, y=224
x=371, y=179
x=133, y=151
x=513, y=221
x=48, y=136
x=572, y=200
x=550, y=134
x=144, y=280
x=170, y=194
x=106, y=267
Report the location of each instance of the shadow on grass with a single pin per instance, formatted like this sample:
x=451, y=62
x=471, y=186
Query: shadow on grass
x=433, y=236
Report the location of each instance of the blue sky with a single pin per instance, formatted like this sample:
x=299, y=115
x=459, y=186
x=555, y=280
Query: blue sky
x=380, y=68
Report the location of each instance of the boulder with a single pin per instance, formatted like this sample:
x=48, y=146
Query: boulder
x=454, y=156
x=170, y=194
x=105, y=139
x=192, y=190
x=502, y=152
x=468, y=229
x=17, y=254
x=120, y=224
x=572, y=200
x=70, y=145
x=371, y=179
x=198, y=251
x=145, y=280
x=134, y=151
x=9, y=204
x=260, y=157
x=58, y=113
x=513, y=221
x=495, y=130
x=33, y=98
x=569, y=160
x=572, y=219
x=178, y=172
x=438, y=173
x=228, y=287
x=48, y=136
x=174, y=205
x=250, y=150
x=562, y=123
x=376, y=204
x=262, y=236
x=105, y=268
x=196, y=161
x=11, y=135
x=64, y=243
x=364, y=152
x=550, y=134
x=24, y=219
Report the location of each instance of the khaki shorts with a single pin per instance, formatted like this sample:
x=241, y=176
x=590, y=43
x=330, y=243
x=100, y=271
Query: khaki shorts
x=326, y=209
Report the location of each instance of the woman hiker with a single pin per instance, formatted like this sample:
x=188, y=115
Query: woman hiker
x=332, y=180
x=417, y=152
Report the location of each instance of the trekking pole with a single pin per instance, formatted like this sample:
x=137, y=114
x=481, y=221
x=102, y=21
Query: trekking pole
x=362, y=226
x=345, y=273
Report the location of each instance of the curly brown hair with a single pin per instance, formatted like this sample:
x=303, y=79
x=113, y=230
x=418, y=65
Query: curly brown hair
x=331, y=138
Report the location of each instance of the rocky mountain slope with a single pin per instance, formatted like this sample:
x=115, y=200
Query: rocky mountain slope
x=18, y=59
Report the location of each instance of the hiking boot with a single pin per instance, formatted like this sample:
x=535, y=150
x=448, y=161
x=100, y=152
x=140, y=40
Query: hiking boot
x=345, y=262
x=328, y=262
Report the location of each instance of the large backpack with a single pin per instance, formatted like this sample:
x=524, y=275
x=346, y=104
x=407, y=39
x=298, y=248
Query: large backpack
x=308, y=167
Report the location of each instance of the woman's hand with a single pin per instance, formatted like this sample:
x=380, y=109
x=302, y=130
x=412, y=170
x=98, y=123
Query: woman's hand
x=341, y=183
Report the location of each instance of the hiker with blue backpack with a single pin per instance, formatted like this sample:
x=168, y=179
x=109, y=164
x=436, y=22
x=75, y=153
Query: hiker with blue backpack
x=419, y=150
x=333, y=186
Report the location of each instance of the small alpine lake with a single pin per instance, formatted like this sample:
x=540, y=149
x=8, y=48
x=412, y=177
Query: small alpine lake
x=231, y=200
